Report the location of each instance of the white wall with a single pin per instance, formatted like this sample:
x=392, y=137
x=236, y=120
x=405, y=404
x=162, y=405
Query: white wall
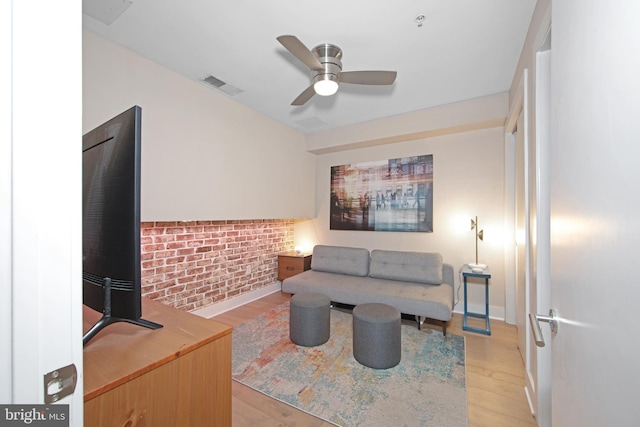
x=204, y=155
x=468, y=181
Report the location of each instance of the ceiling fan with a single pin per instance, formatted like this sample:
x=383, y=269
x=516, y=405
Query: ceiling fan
x=326, y=69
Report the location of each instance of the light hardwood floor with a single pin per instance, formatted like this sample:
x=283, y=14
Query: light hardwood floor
x=495, y=378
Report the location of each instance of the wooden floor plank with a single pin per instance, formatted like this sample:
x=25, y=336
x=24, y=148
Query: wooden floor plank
x=512, y=377
x=481, y=417
x=515, y=407
x=256, y=409
x=495, y=377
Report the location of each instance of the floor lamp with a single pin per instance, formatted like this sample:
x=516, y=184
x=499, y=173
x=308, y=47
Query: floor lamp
x=479, y=235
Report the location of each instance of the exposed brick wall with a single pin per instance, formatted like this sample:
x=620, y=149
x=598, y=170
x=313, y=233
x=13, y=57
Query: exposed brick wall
x=189, y=265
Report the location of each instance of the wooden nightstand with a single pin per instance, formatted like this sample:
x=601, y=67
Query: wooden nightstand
x=290, y=264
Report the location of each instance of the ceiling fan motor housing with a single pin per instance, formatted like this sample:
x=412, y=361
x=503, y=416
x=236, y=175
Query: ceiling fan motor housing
x=329, y=56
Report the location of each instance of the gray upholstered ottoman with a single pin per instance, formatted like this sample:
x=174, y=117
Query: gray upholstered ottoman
x=377, y=335
x=309, y=319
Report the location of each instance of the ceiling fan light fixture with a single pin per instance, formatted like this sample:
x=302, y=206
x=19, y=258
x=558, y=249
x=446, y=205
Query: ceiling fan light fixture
x=325, y=67
x=326, y=86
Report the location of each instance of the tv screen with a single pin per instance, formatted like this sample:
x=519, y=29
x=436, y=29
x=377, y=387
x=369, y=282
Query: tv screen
x=111, y=163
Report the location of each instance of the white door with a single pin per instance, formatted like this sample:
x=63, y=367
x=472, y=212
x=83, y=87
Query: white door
x=41, y=255
x=595, y=212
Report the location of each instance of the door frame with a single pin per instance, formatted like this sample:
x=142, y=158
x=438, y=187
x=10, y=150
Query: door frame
x=543, y=229
x=519, y=104
x=5, y=200
x=42, y=250
x=537, y=361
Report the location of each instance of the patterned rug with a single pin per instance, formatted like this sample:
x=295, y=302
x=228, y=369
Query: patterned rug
x=427, y=388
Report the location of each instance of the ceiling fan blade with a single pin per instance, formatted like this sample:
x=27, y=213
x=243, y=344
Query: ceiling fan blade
x=304, y=96
x=368, y=77
x=300, y=51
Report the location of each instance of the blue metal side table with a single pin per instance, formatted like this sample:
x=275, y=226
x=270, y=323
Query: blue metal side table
x=486, y=275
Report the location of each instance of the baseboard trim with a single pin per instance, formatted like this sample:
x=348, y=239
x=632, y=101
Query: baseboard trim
x=496, y=313
x=235, y=302
x=530, y=402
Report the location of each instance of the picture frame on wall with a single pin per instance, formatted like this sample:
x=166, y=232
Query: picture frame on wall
x=386, y=195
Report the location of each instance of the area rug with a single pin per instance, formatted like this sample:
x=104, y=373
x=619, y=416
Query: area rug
x=427, y=387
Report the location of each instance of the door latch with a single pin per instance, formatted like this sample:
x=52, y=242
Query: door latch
x=60, y=383
x=535, y=320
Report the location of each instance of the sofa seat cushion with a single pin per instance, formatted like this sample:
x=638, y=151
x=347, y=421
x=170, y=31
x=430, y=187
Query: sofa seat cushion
x=419, y=267
x=433, y=301
x=341, y=260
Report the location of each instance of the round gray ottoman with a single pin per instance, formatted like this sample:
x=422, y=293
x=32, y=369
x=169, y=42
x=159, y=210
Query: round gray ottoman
x=309, y=319
x=376, y=335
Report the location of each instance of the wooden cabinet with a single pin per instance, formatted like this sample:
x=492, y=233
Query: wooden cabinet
x=290, y=264
x=179, y=375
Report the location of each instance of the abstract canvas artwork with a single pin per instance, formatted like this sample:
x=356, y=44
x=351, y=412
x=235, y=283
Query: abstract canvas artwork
x=386, y=195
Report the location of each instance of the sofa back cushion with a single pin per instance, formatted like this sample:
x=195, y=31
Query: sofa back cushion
x=341, y=260
x=420, y=267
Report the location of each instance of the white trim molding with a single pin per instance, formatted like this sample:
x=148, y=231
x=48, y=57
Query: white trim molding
x=235, y=302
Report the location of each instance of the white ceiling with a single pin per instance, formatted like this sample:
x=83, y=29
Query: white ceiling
x=464, y=49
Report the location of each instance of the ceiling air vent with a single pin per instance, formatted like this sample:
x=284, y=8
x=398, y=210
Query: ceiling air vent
x=105, y=11
x=222, y=86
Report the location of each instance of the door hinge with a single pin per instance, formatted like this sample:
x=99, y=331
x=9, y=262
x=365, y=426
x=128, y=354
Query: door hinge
x=60, y=383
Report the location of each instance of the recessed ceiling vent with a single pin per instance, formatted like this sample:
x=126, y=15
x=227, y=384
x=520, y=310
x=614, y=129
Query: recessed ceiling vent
x=105, y=11
x=222, y=86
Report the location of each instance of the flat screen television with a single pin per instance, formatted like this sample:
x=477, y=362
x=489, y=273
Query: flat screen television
x=111, y=272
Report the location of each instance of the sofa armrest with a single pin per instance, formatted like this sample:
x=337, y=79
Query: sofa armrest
x=447, y=273
x=447, y=277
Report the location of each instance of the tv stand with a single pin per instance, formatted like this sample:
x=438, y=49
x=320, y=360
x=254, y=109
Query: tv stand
x=179, y=375
x=107, y=319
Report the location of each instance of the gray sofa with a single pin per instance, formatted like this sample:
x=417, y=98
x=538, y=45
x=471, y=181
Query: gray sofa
x=416, y=283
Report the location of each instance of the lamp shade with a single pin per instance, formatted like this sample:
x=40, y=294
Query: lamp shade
x=325, y=87
x=325, y=84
